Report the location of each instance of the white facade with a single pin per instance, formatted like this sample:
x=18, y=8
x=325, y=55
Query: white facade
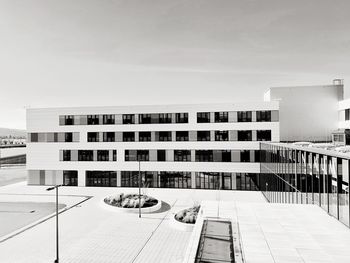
x=308, y=113
x=44, y=159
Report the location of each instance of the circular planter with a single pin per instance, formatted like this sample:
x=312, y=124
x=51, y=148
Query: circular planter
x=182, y=225
x=132, y=210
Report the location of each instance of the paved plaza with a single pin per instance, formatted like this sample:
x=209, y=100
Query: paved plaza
x=91, y=233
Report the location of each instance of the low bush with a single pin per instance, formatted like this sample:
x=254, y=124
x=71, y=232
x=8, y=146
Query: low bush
x=188, y=216
x=130, y=200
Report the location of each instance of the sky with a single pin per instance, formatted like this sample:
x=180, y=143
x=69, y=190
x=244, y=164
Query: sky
x=57, y=53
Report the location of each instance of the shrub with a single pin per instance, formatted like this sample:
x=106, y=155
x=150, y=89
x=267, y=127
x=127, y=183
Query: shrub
x=189, y=215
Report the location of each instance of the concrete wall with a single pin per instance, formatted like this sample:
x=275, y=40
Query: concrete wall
x=307, y=113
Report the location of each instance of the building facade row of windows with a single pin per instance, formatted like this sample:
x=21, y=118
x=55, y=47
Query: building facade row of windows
x=238, y=116
x=111, y=119
x=88, y=155
x=192, y=155
x=161, y=118
x=53, y=137
x=164, y=136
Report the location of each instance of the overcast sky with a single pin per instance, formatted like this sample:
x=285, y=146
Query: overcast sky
x=117, y=52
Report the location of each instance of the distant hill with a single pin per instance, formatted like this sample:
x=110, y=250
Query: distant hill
x=12, y=132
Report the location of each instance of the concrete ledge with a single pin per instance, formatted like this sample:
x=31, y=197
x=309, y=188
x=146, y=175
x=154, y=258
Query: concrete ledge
x=181, y=226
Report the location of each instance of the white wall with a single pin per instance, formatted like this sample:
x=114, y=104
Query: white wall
x=307, y=113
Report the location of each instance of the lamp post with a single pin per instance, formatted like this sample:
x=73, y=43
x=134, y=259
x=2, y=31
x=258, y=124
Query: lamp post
x=49, y=189
x=140, y=189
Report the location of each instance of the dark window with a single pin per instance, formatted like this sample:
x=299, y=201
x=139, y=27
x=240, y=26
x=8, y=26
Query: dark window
x=221, y=135
x=161, y=155
x=221, y=155
x=182, y=136
x=263, y=116
x=163, y=118
x=182, y=155
x=244, y=116
x=347, y=114
x=204, y=155
x=109, y=136
x=34, y=137
x=92, y=137
x=221, y=116
x=245, y=156
x=144, y=118
x=92, y=119
x=109, y=119
x=244, y=135
x=70, y=178
x=181, y=117
x=203, y=135
x=128, y=136
x=85, y=155
x=263, y=135
x=142, y=155
x=226, y=156
x=114, y=155
x=128, y=118
x=144, y=136
x=102, y=155
x=69, y=120
x=68, y=137
x=101, y=178
x=203, y=117
x=163, y=136
x=66, y=155
x=136, y=155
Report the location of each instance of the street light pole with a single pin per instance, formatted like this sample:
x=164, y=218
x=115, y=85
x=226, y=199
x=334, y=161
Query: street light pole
x=57, y=243
x=140, y=189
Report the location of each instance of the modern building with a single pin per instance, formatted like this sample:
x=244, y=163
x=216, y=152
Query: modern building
x=178, y=146
x=213, y=146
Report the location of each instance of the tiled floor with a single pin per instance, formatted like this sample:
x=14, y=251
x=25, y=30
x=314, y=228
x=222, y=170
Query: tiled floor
x=90, y=233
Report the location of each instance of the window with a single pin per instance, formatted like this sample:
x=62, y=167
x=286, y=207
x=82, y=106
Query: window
x=114, y=155
x=181, y=117
x=347, y=114
x=263, y=116
x=182, y=155
x=221, y=135
x=244, y=116
x=263, y=135
x=66, y=155
x=102, y=155
x=164, y=118
x=101, y=178
x=203, y=135
x=136, y=155
x=128, y=118
x=182, y=136
x=70, y=178
x=144, y=136
x=161, y=155
x=128, y=136
x=34, y=137
x=109, y=136
x=108, y=119
x=204, y=155
x=142, y=155
x=245, y=156
x=144, y=118
x=92, y=137
x=163, y=136
x=69, y=120
x=85, y=155
x=221, y=116
x=92, y=119
x=244, y=135
x=221, y=155
x=203, y=117
x=68, y=137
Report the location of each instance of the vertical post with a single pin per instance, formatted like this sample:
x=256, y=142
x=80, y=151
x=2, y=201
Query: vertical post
x=139, y=189
x=57, y=258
